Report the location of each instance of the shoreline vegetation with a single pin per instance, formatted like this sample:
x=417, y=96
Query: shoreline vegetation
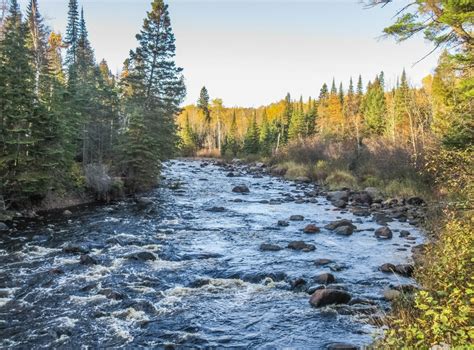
x=72, y=132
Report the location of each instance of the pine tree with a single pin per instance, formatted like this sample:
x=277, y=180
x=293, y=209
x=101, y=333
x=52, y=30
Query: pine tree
x=251, y=140
x=324, y=92
x=310, y=117
x=297, y=128
x=266, y=136
x=333, y=87
x=188, y=137
x=157, y=88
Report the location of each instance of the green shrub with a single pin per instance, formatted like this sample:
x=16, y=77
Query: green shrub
x=339, y=179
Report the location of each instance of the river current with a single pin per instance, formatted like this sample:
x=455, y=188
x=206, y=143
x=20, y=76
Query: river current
x=210, y=285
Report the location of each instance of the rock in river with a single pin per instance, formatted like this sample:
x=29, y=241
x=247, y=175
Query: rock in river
x=384, y=233
x=323, y=297
x=267, y=247
x=300, y=245
x=142, y=256
x=296, y=218
x=311, y=229
x=87, y=260
x=344, y=230
x=325, y=278
x=241, y=189
x=335, y=224
x=3, y=227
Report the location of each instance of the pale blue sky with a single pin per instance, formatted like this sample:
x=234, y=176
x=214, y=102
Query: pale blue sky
x=251, y=53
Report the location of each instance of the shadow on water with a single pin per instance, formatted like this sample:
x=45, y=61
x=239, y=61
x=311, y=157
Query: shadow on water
x=186, y=270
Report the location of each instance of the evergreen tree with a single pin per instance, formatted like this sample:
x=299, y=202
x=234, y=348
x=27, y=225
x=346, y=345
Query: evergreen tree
x=297, y=128
x=374, y=108
x=360, y=87
x=324, y=92
x=37, y=40
x=266, y=136
x=310, y=117
x=251, y=140
x=18, y=111
x=203, y=104
x=333, y=87
x=72, y=33
x=157, y=88
x=341, y=94
x=232, y=141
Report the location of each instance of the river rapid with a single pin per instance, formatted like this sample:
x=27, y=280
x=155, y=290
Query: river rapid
x=206, y=283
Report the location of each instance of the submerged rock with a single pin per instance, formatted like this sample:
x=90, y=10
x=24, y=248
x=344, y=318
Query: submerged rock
x=142, y=256
x=67, y=213
x=323, y=297
x=267, y=247
x=296, y=218
x=283, y=223
x=216, y=210
x=3, y=227
x=322, y=262
x=87, y=260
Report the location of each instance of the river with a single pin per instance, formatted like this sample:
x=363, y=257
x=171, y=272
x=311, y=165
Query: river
x=210, y=285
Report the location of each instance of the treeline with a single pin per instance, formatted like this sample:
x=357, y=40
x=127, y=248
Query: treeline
x=403, y=114
x=69, y=124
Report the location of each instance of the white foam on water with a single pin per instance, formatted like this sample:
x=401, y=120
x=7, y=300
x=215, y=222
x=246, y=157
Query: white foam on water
x=39, y=251
x=67, y=322
x=4, y=301
x=132, y=315
x=88, y=299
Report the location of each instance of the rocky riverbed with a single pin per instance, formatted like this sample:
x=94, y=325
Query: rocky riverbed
x=221, y=255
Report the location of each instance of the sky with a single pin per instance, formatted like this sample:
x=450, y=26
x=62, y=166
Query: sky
x=253, y=52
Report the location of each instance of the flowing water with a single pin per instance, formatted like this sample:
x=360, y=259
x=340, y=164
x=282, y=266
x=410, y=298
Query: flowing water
x=210, y=285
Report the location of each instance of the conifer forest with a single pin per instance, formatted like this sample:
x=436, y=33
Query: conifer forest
x=134, y=216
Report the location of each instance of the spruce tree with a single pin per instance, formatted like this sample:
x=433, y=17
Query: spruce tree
x=156, y=91
x=266, y=136
x=341, y=94
x=374, y=108
x=251, y=140
x=72, y=33
x=233, y=144
x=18, y=109
x=203, y=104
x=37, y=41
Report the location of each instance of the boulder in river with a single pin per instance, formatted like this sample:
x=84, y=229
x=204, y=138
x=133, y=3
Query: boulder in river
x=344, y=230
x=296, y=218
x=388, y=268
x=325, y=278
x=283, y=223
x=3, y=227
x=142, y=256
x=323, y=297
x=362, y=198
x=241, y=189
x=67, y=213
x=338, y=196
x=339, y=204
x=384, y=233
x=300, y=245
x=267, y=247
x=303, y=179
x=311, y=229
x=404, y=233
x=339, y=223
